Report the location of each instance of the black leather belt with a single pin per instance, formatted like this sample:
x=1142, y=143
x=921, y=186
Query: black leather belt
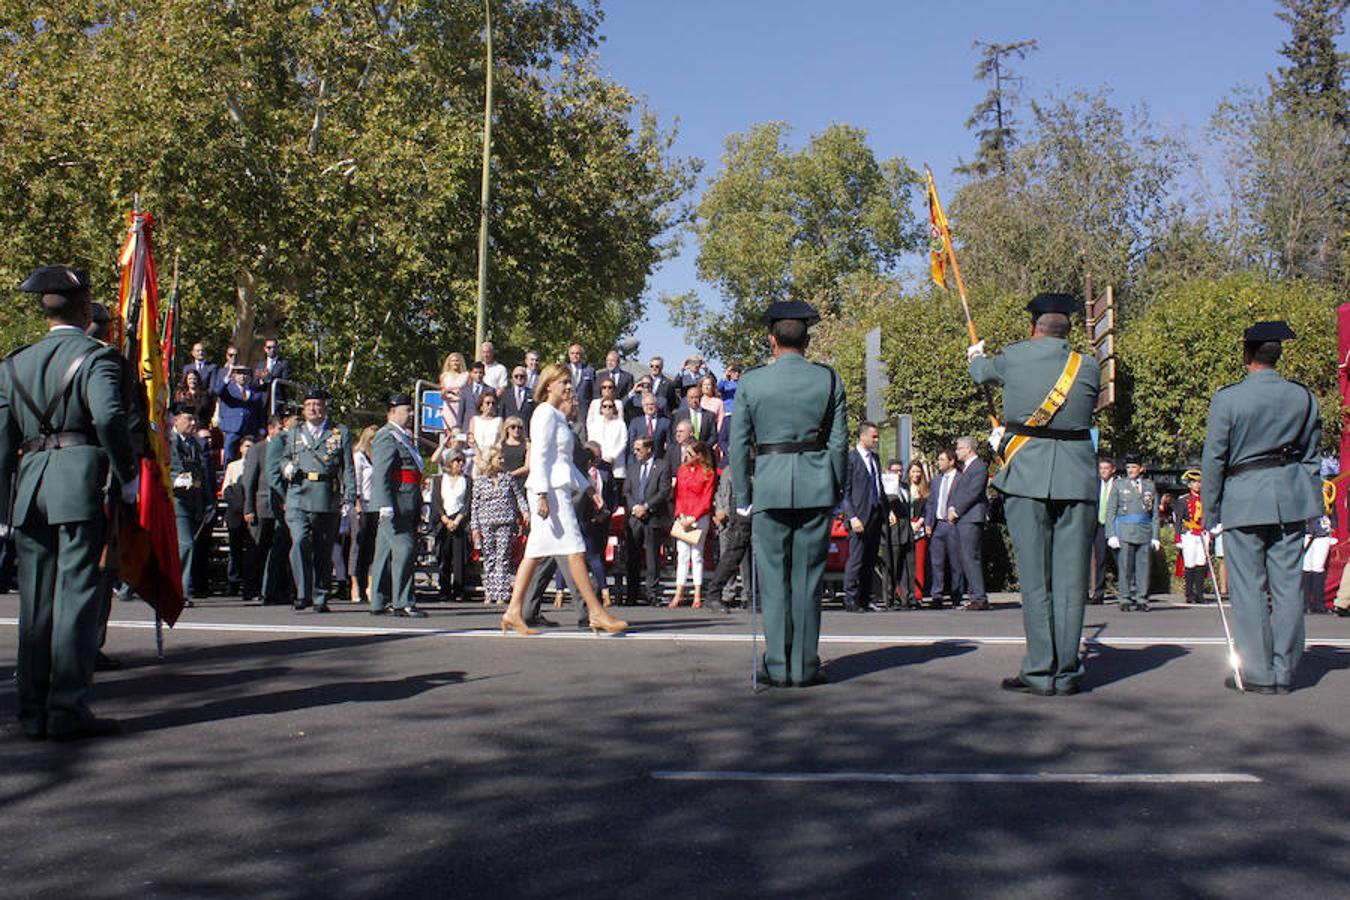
x=317, y=476
x=1269, y=461
x=790, y=447
x=1055, y=434
x=57, y=441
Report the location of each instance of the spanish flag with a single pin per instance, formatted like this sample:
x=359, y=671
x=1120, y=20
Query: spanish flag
x=940, y=236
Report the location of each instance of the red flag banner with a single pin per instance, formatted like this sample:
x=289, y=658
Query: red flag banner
x=149, y=538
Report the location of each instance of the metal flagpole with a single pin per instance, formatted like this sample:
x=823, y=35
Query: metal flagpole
x=1233, y=659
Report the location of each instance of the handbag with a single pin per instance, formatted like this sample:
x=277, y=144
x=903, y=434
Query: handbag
x=685, y=533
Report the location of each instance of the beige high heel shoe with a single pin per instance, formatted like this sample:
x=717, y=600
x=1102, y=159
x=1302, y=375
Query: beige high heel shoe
x=607, y=624
x=517, y=624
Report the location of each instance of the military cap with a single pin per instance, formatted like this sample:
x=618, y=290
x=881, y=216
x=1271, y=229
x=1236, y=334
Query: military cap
x=1134, y=459
x=55, y=280
x=316, y=393
x=398, y=398
x=179, y=409
x=286, y=410
x=1190, y=475
x=1262, y=332
x=1065, y=304
x=791, y=309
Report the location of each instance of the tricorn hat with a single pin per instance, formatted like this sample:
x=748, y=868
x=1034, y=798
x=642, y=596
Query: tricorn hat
x=179, y=409
x=1134, y=459
x=1066, y=304
x=316, y=393
x=55, y=280
x=1262, y=332
x=791, y=309
x=398, y=398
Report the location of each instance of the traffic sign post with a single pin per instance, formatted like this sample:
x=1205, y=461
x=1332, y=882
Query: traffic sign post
x=1101, y=326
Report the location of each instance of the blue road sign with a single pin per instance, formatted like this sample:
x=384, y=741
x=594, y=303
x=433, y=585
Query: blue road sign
x=432, y=407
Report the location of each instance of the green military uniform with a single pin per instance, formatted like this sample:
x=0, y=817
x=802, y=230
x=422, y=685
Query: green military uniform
x=63, y=423
x=1132, y=518
x=317, y=477
x=789, y=457
x=1260, y=479
x=396, y=492
x=1050, y=493
x=192, y=498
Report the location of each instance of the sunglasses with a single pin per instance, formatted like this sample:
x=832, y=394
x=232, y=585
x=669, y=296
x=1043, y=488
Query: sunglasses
x=607, y=406
x=520, y=377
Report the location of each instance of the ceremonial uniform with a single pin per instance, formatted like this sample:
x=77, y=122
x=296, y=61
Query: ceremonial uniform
x=1132, y=521
x=63, y=424
x=1188, y=520
x=396, y=492
x=789, y=456
x=318, y=478
x=1261, y=481
x=1049, y=481
x=192, y=499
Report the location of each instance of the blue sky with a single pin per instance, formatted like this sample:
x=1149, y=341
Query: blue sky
x=903, y=71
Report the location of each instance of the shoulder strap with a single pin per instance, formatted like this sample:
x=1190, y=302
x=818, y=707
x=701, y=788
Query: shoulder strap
x=1059, y=393
x=828, y=420
x=44, y=414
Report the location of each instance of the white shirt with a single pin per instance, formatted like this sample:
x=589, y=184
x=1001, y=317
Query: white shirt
x=496, y=377
x=364, y=470
x=944, y=492
x=485, y=431
x=452, y=494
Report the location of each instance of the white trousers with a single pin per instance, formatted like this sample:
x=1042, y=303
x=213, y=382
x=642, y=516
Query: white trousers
x=691, y=555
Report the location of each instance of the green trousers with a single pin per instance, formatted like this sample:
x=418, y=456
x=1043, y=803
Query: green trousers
x=1269, y=639
x=312, y=538
x=59, y=615
x=187, y=547
x=1052, y=542
x=1132, y=562
x=791, y=546
x=391, y=570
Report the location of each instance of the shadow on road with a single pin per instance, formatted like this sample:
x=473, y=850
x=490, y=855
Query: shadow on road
x=856, y=665
x=1106, y=664
x=1316, y=663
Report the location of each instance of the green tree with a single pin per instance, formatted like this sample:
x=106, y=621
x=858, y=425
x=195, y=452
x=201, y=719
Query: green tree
x=993, y=117
x=1314, y=82
x=778, y=223
x=317, y=165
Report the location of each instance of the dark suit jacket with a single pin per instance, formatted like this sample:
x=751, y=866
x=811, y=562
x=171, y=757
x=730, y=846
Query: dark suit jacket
x=632, y=406
x=931, y=507
x=584, y=384
x=903, y=530
x=859, y=487
x=709, y=423
x=660, y=435
x=623, y=382
x=237, y=415
x=668, y=390
x=658, y=495
x=468, y=405
x=262, y=379
x=507, y=406
x=970, y=494
x=256, y=492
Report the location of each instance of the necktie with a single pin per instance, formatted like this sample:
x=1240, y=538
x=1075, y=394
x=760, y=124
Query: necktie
x=520, y=399
x=1101, y=503
x=642, y=480
x=872, y=476
x=650, y=427
x=942, y=495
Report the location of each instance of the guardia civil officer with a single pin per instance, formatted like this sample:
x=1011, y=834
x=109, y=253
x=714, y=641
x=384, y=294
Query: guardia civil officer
x=396, y=492
x=789, y=457
x=319, y=482
x=193, y=496
x=1260, y=482
x=63, y=425
x=1049, y=483
x=1132, y=529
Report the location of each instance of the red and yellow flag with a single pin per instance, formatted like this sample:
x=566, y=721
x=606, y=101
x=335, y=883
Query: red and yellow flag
x=940, y=235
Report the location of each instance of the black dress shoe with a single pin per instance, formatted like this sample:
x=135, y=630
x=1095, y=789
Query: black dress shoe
x=853, y=608
x=1342, y=611
x=382, y=611
x=409, y=612
x=321, y=607
x=975, y=606
x=541, y=622
x=819, y=678
x=82, y=729
x=1068, y=690
x=1126, y=607
x=105, y=663
x=1141, y=607
x=1248, y=687
x=766, y=678
x=298, y=605
x=1016, y=683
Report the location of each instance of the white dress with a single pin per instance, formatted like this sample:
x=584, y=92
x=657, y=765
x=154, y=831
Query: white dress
x=552, y=472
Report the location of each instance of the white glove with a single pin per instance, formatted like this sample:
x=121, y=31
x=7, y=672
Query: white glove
x=1157, y=545
x=974, y=350
x=183, y=480
x=288, y=471
x=131, y=491
x=386, y=512
x=1113, y=542
x=5, y=531
x=1217, y=530
x=744, y=510
x=346, y=510
x=996, y=437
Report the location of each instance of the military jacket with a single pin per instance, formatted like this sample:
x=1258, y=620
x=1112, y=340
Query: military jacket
x=392, y=457
x=790, y=400
x=69, y=480
x=1261, y=416
x=1045, y=468
x=185, y=456
x=324, y=476
x=1132, y=512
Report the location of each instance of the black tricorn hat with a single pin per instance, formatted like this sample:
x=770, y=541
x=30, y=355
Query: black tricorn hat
x=179, y=409
x=1262, y=332
x=398, y=398
x=791, y=309
x=316, y=393
x=55, y=280
x=1065, y=304
x=1134, y=459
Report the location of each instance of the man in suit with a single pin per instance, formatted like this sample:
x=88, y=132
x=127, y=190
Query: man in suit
x=1106, y=479
x=1132, y=528
x=531, y=369
x=193, y=497
x=944, y=547
x=623, y=381
x=396, y=493
x=632, y=405
x=517, y=399
x=1260, y=482
x=702, y=424
x=595, y=509
x=471, y=396
x=647, y=493
x=222, y=373
x=205, y=369
x=651, y=424
x=271, y=368
x=897, y=536
x=259, y=517
x=63, y=427
x=968, y=511
x=241, y=411
x=320, y=487
x=864, y=513
x=583, y=377
x=733, y=548
x=667, y=389
x=789, y=457
x=1049, y=485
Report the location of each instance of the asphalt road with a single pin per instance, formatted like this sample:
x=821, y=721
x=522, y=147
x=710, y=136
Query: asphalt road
x=281, y=755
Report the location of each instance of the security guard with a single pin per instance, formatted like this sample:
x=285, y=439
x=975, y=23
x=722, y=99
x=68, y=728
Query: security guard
x=320, y=485
x=1049, y=483
x=1260, y=483
x=1132, y=529
x=789, y=456
x=193, y=493
x=63, y=423
x=396, y=492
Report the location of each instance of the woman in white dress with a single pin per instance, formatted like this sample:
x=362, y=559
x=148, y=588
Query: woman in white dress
x=553, y=485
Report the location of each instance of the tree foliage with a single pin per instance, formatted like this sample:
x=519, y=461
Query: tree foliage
x=1314, y=82
x=318, y=165
x=778, y=223
x=994, y=117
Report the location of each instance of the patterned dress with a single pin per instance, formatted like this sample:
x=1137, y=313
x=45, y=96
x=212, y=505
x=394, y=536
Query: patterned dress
x=498, y=503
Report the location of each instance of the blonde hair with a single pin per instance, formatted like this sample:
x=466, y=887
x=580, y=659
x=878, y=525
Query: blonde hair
x=489, y=463
x=551, y=373
x=506, y=426
x=454, y=357
x=366, y=439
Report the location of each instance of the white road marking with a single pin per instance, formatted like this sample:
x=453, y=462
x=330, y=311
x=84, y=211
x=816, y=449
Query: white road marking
x=569, y=634
x=965, y=777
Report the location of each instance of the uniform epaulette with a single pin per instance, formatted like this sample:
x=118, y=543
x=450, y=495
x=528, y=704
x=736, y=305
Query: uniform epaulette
x=17, y=350
x=1227, y=386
